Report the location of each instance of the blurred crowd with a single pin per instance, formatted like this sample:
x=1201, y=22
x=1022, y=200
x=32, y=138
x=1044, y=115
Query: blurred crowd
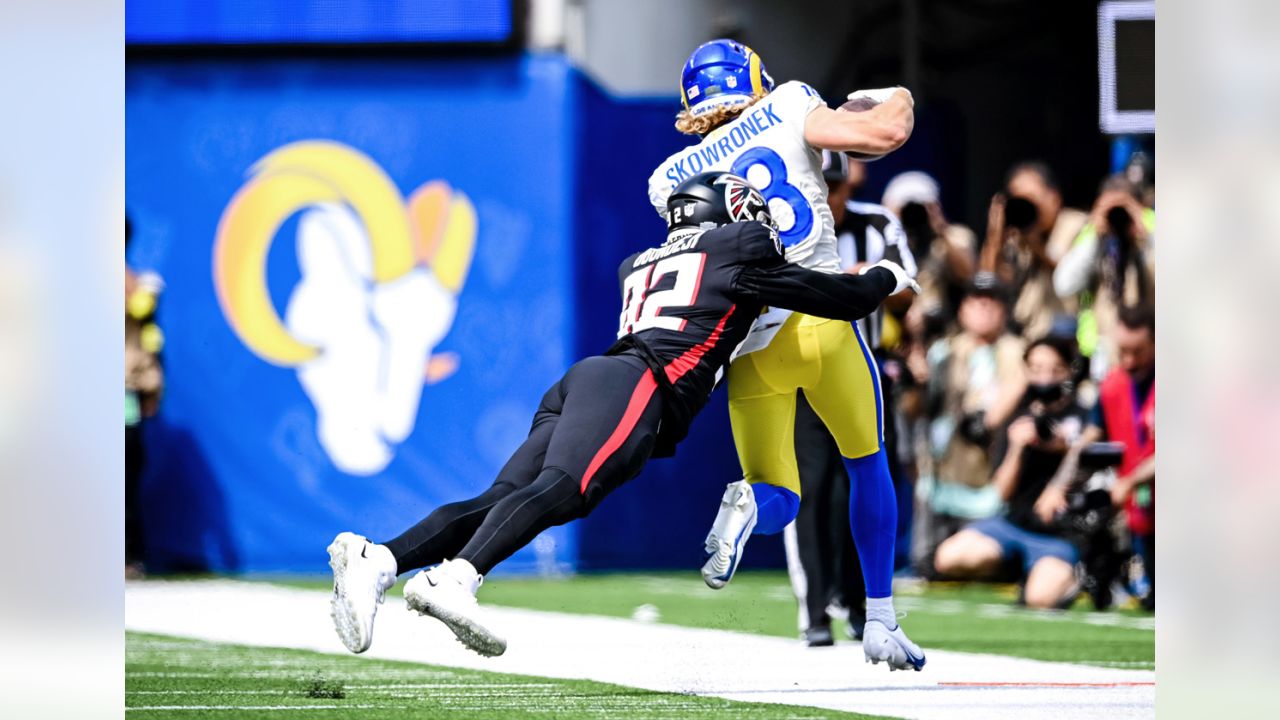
x=1019, y=384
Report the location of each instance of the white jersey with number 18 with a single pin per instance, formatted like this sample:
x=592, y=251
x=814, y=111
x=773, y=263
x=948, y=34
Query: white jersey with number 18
x=766, y=145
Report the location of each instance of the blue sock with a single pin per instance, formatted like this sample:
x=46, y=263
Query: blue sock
x=873, y=515
x=776, y=507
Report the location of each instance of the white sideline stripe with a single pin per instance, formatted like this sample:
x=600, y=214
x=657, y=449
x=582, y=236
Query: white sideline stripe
x=665, y=658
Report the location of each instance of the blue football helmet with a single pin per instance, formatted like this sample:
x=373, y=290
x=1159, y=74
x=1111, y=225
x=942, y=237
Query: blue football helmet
x=722, y=73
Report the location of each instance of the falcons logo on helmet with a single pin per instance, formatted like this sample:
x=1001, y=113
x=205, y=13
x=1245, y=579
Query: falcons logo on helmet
x=777, y=239
x=743, y=200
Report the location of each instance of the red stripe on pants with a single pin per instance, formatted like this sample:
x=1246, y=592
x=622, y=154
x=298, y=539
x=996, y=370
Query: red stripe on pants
x=677, y=368
x=635, y=408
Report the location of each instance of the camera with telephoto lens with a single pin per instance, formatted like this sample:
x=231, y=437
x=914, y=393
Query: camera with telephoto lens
x=916, y=224
x=1048, y=393
x=1120, y=222
x=973, y=427
x=1045, y=395
x=1021, y=213
x=1044, y=427
x=1101, y=455
x=1086, y=523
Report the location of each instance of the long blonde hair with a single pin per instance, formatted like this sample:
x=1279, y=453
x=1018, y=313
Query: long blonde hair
x=705, y=123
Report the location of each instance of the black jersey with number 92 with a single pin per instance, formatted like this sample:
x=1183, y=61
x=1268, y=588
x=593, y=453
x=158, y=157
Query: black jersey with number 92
x=688, y=303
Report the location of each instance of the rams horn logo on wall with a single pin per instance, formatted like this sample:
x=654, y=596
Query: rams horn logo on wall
x=379, y=288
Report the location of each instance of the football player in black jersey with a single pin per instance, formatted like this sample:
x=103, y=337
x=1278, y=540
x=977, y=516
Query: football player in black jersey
x=687, y=304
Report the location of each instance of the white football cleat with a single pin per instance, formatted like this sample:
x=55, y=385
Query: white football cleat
x=729, y=533
x=363, y=571
x=892, y=646
x=447, y=592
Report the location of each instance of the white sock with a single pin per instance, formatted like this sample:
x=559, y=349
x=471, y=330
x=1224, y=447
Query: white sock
x=882, y=609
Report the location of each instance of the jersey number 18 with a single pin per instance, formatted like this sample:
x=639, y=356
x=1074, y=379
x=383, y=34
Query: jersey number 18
x=778, y=189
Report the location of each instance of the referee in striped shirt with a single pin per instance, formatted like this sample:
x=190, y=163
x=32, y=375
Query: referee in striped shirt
x=821, y=559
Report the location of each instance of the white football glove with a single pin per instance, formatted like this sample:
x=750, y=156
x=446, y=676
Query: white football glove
x=877, y=95
x=904, y=280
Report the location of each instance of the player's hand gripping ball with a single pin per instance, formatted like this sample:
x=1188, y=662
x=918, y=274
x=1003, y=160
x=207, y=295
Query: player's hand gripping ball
x=862, y=101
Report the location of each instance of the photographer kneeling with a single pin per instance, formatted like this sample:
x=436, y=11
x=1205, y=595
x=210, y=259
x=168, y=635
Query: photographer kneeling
x=1047, y=422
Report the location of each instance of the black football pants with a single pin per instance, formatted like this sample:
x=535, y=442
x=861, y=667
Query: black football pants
x=593, y=431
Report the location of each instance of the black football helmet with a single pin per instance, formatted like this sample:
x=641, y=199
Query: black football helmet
x=713, y=199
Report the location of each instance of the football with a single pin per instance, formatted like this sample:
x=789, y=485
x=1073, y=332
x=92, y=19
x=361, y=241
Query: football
x=860, y=104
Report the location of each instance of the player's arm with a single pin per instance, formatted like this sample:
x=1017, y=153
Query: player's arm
x=839, y=297
x=1053, y=499
x=882, y=129
x=765, y=277
x=1009, y=468
x=1143, y=474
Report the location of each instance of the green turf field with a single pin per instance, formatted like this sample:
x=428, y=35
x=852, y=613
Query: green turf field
x=175, y=678
x=968, y=617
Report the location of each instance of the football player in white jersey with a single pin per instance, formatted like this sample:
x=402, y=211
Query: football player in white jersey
x=774, y=137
